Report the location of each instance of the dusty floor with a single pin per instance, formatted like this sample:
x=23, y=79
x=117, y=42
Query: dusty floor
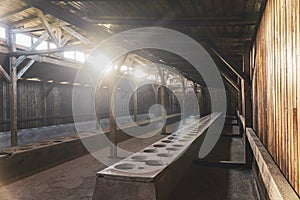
x=76, y=179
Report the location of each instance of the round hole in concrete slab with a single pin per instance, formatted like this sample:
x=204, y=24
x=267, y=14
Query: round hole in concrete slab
x=171, y=138
x=139, y=158
x=172, y=149
x=182, y=140
x=141, y=167
x=125, y=166
x=150, y=151
x=164, y=155
x=154, y=162
x=167, y=141
x=177, y=145
x=159, y=145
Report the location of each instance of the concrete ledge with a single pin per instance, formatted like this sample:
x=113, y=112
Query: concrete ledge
x=22, y=161
x=276, y=185
x=153, y=172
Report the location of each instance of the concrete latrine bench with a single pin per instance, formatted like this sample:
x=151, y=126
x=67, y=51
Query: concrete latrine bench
x=153, y=172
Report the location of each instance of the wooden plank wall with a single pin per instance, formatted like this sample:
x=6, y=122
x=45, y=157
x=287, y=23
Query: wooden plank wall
x=31, y=110
x=276, y=85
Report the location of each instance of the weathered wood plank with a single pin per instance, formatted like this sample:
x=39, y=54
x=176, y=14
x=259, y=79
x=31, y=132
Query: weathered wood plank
x=276, y=90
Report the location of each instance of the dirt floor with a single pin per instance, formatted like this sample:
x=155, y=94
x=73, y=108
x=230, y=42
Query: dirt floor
x=76, y=179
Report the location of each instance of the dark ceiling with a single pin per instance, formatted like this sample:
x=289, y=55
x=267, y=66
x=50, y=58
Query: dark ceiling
x=227, y=26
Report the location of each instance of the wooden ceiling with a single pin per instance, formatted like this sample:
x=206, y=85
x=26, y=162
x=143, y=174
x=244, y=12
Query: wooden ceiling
x=228, y=26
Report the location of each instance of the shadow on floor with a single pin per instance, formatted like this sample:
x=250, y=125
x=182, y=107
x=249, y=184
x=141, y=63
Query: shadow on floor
x=215, y=182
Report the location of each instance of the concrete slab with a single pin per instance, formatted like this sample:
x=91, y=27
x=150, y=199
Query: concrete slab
x=156, y=169
x=198, y=182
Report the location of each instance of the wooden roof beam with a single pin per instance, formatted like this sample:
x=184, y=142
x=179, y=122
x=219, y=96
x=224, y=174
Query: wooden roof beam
x=22, y=57
x=4, y=74
x=49, y=51
x=6, y=15
x=178, y=21
x=231, y=82
x=47, y=27
x=65, y=15
x=229, y=64
x=24, y=70
x=76, y=35
x=26, y=20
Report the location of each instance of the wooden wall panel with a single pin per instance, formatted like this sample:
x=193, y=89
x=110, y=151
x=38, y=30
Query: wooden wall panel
x=276, y=85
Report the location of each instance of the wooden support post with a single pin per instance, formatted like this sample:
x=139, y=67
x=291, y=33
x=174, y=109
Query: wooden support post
x=45, y=105
x=112, y=121
x=198, y=95
x=13, y=93
x=154, y=87
x=247, y=103
x=97, y=105
x=163, y=96
x=135, y=102
x=183, y=98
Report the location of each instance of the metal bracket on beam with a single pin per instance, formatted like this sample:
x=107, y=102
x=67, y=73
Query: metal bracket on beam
x=29, y=64
x=4, y=74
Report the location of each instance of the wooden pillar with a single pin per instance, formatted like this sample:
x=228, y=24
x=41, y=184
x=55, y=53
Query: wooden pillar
x=97, y=105
x=247, y=104
x=13, y=92
x=163, y=96
x=163, y=104
x=45, y=105
x=246, y=90
x=135, y=102
x=198, y=96
x=112, y=121
x=183, y=99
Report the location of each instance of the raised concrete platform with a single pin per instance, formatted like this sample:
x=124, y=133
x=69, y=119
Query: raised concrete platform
x=198, y=182
x=154, y=171
x=39, y=134
x=22, y=161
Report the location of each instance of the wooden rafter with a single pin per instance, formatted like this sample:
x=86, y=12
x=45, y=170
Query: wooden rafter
x=178, y=21
x=4, y=74
x=6, y=15
x=49, y=51
x=42, y=38
x=24, y=70
x=229, y=64
x=47, y=27
x=77, y=35
x=231, y=82
x=64, y=15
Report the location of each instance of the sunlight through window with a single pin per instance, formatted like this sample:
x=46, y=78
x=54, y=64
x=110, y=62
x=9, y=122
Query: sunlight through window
x=23, y=40
x=2, y=33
